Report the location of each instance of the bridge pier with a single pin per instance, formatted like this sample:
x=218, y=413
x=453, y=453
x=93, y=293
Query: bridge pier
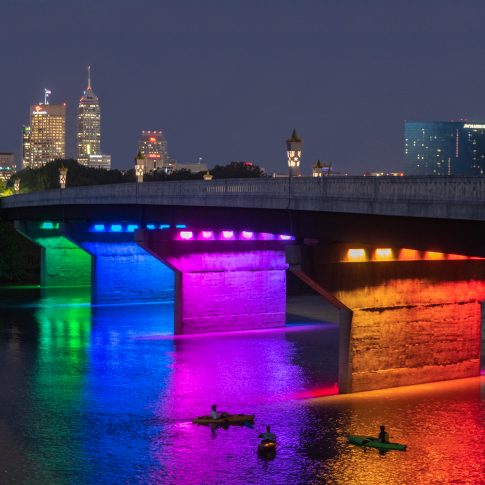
x=412, y=318
x=62, y=263
x=222, y=285
x=122, y=271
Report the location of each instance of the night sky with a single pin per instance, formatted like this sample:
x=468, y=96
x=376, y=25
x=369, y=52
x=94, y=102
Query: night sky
x=228, y=80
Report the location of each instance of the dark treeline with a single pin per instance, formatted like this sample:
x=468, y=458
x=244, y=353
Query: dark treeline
x=47, y=177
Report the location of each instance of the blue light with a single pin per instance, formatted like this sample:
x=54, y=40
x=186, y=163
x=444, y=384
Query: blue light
x=132, y=227
x=150, y=226
x=164, y=226
x=116, y=228
x=99, y=228
x=181, y=226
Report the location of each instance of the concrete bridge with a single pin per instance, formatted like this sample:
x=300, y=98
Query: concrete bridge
x=399, y=256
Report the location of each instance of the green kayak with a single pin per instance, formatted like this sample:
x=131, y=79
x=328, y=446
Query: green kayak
x=371, y=442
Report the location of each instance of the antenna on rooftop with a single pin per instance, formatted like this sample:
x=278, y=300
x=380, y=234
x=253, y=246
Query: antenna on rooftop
x=47, y=92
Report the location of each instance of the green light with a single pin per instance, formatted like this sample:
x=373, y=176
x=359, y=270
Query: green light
x=49, y=225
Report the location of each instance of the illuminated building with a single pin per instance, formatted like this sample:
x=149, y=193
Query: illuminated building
x=47, y=133
x=89, y=130
x=444, y=148
x=153, y=148
x=293, y=150
x=26, y=152
x=7, y=165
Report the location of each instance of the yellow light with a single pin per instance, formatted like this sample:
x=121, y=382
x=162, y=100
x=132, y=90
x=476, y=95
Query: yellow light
x=356, y=255
x=383, y=254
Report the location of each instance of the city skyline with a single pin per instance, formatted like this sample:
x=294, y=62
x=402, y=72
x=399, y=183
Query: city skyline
x=345, y=75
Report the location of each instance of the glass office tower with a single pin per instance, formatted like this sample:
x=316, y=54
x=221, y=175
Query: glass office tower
x=444, y=148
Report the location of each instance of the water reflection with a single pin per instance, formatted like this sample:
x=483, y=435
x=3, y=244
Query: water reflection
x=106, y=395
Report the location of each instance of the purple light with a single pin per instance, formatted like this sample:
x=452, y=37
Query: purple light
x=247, y=235
x=207, y=235
x=266, y=236
x=186, y=235
x=285, y=237
x=228, y=234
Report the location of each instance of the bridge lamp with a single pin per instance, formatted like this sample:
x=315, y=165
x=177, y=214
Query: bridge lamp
x=294, y=146
x=62, y=177
x=16, y=185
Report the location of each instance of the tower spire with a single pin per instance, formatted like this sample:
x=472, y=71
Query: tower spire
x=89, y=77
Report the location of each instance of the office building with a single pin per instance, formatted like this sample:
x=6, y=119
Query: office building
x=444, y=148
x=47, y=133
x=7, y=166
x=26, y=152
x=89, y=130
x=153, y=149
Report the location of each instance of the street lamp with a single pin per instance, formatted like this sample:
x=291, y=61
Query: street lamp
x=207, y=176
x=293, y=149
x=16, y=185
x=62, y=176
x=139, y=167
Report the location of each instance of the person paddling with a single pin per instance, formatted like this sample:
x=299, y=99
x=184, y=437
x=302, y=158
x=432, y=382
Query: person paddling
x=215, y=414
x=268, y=436
x=383, y=435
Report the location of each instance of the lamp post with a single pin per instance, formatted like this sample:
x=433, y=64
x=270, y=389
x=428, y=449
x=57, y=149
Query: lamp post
x=139, y=167
x=62, y=176
x=16, y=185
x=294, y=145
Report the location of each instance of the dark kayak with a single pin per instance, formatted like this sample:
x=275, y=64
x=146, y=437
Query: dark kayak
x=371, y=442
x=229, y=419
x=267, y=447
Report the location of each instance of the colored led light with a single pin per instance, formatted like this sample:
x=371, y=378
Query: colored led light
x=227, y=234
x=285, y=237
x=383, y=254
x=356, y=254
x=181, y=226
x=49, y=225
x=207, y=235
x=116, y=228
x=164, y=226
x=186, y=235
x=132, y=227
x=247, y=235
x=151, y=226
x=98, y=227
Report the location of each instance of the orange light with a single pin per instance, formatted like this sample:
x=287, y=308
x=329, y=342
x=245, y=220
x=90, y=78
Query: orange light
x=433, y=255
x=409, y=255
x=456, y=256
x=356, y=255
x=383, y=254
x=153, y=139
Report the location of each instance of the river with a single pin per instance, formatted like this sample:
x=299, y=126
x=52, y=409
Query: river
x=106, y=395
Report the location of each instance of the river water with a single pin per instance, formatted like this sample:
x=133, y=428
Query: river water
x=105, y=395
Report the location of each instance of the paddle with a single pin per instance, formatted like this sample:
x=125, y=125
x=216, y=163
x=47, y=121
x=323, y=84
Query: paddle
x=251, y=426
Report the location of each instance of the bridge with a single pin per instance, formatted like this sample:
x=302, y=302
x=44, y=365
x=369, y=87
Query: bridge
x=401, y=257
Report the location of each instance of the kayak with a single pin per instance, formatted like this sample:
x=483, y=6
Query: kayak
x=229, y=419
x=267, y=446
x=371, y=442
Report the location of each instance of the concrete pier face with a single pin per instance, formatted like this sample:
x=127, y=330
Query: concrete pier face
x=411, y=322
x=223, y=285
x=122, y=271
x=62, y=262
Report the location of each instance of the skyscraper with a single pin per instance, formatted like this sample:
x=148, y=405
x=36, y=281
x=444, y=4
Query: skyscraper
x=153, y=148
x=47, y=133
x=444, y=148
x=26, y=151
x=88, y=125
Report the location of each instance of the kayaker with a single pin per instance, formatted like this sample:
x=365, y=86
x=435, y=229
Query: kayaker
x=268, y=436
x=383, y=435
x=215, y=414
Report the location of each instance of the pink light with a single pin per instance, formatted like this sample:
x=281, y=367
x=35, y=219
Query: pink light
x=207, y=235
x=228, y=234
x=247, y=235
x=186, y=235
x=285, y=237
x=266, y=236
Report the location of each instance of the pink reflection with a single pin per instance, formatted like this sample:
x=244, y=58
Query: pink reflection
x=186, y=235
x=228, y=234
x=247, y=235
